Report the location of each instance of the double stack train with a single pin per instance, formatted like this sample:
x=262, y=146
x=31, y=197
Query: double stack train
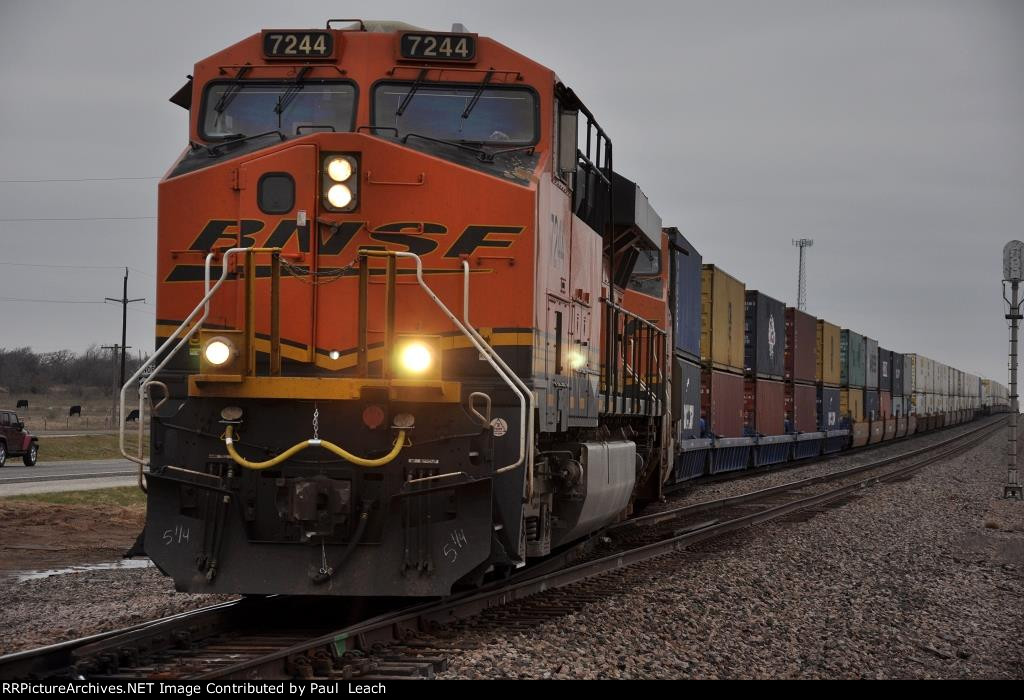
x=415, y=331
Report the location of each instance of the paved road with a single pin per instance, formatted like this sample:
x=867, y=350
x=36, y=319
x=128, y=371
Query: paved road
x=47, y=477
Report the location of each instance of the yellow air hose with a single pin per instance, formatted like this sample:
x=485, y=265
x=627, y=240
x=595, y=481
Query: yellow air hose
x=229, y=440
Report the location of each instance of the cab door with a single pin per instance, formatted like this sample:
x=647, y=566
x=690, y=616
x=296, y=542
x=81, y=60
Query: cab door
x=280, y=190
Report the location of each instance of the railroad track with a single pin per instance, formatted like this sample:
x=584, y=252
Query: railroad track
x=257, y=638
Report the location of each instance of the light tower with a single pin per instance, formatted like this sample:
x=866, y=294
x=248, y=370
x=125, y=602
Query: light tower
x=801, y=283
x=1013, y=273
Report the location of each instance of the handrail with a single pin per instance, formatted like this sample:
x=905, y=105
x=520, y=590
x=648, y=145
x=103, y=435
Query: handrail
x=519, y=382
x=204, y=305
x=482, y=348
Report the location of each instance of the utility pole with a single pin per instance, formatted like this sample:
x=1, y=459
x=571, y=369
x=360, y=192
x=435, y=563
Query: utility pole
x=124, y=301
x=801, y=282
x=115, y=393
x=1013, y=272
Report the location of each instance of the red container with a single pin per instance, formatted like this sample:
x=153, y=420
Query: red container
x=801, y=346
x=802, y=407
x=721, y=402
x=764, y=406
x=886, y=401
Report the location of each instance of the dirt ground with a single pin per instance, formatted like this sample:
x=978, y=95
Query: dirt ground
x=38, y=535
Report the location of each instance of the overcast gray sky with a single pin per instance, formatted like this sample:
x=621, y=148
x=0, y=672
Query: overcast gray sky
x=890, y=132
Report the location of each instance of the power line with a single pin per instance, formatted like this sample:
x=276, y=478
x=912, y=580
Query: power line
x=83, y=179
x=75, y=267
x=51, y=301
x=84, y=218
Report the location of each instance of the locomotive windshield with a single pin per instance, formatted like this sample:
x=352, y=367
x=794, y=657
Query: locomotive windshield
x=247, y=108
x=496, y=116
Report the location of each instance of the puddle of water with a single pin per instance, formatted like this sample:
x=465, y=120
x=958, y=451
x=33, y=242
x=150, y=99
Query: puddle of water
x=141, y=563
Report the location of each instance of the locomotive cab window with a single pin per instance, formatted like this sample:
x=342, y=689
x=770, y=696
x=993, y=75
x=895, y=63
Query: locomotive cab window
x=244, y=108
x=646, y=276
x=465, y=114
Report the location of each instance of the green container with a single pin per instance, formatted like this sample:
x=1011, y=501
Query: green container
x=852, y=368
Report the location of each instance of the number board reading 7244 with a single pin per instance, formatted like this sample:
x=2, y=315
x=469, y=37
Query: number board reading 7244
x=298, y=44
x=438, y=47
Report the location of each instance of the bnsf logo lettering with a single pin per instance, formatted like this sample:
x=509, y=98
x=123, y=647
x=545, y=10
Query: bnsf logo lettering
x=414, y=236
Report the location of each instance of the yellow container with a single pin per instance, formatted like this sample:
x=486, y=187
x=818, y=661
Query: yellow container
x=851, y=403
x=828, y=372
x=722, y=316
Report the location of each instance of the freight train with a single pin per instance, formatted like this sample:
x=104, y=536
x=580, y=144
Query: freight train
x=415, y=331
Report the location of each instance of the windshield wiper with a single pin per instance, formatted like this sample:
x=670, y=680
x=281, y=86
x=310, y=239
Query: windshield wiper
x=240, y=138
x=481, y=153
x=476, y=95
x=412, y=91
x=293, y=90
x=491, y=155
x=232, y=92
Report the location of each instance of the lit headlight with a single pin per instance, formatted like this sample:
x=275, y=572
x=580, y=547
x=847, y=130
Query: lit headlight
x=339, y=182
x=218, y=351
x=415, y=357
x=339, y=169
x=339, y=196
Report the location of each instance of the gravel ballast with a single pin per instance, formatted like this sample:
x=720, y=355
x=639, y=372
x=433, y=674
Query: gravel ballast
x=915, y=579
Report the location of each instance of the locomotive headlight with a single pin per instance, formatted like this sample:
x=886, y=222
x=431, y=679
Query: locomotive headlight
x=339, y=196
x=339, y=181
x=415, y=357
x=339, y=169
x=218, y=351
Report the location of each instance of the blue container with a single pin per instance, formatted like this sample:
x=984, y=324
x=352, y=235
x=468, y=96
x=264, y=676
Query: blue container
x=686, y=399
x=828, y=408
x=764, y=336
x=687, y=262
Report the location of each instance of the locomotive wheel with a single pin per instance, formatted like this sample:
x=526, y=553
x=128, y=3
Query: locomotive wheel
x=30, y=457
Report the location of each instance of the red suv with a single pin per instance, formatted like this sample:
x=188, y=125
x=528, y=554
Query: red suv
x=15, y=440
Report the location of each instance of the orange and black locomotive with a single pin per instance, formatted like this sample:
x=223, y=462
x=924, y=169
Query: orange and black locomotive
x=395, y=350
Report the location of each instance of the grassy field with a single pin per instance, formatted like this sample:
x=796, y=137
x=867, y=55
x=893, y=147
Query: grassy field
x=63, y=449
x=123, y=496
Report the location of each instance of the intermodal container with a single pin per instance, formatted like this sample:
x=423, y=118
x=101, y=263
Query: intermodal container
x=851, y=359
x=851, y=404
x=764, y=342
x=801, y=345
x=885, y=403
x=908, y=374
x=828, y=408
x=871, y=404
x=722, y=315
x=871, y=363
x=687, y=405
x=721, y=403
x=801, y=407
x=884, y=370
x=897, y=374
x=688, y=274
x=826, y=370
x=899, y=406
x=764, y=407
